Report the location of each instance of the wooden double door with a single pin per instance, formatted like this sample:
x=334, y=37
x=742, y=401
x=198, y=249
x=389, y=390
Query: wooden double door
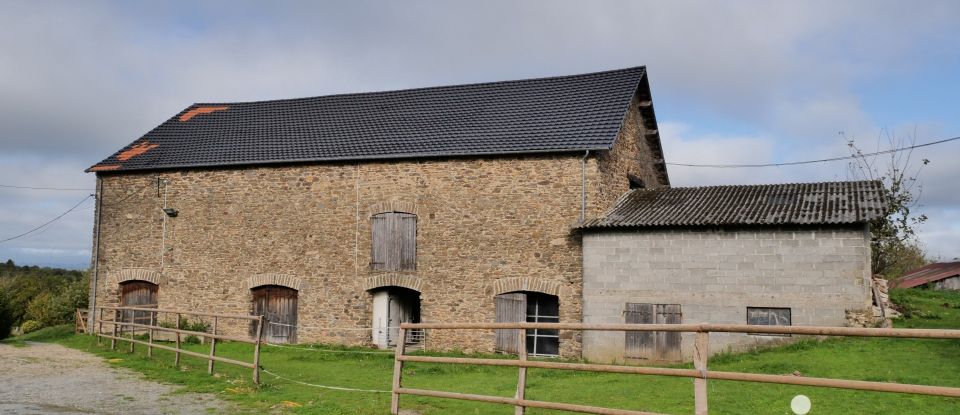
x=278, y=306
x=140, y=294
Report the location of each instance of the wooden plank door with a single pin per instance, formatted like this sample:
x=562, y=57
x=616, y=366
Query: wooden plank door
x=668, y=342
x=639, y=344
x=278, y=306
x=511, y=308
x=138, y=294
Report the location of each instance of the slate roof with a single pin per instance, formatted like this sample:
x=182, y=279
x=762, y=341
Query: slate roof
x=559, y=114
x=927, y=274
x=773, y=204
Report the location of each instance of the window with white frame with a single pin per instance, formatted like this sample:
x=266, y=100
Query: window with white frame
x=768, y=316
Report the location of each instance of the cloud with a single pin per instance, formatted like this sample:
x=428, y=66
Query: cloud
x=743, y=82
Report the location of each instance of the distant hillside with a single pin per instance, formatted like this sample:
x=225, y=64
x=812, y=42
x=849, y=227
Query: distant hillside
x=32, y=297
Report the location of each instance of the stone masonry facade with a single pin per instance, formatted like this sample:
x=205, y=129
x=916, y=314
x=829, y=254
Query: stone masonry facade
x=715, y=274
x=485, y=225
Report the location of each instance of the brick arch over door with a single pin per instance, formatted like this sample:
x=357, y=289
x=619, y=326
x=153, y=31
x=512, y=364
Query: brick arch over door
x=136, y=274
x=393, y=206
x=393, y=280
x=539, y=285
x=281, y=280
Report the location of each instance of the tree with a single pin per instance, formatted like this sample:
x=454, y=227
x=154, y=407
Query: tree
x=895, y=247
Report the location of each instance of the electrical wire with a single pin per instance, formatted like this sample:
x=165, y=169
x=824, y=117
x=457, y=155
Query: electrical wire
x=794, y=163
x=10, y=186
x=48, y=222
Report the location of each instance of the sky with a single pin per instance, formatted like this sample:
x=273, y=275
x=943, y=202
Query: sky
x=733, y=82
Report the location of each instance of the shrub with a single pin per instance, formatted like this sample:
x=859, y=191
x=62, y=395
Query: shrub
x=29, y=326
x=6, y=314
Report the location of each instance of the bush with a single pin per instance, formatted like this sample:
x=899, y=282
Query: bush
x=6, y=314
x=29, y=326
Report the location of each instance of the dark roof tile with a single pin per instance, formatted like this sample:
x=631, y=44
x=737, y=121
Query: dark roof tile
x=569, y=113
x=773, y=204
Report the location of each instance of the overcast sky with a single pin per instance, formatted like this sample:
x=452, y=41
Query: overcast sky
x=733, y=82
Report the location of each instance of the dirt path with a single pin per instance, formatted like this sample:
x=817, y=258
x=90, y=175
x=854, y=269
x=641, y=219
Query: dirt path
x=51, y=379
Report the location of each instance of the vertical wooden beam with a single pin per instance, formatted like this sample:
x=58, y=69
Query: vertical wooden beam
x=133, y=330
x=522, y=376
x=113, y=341
x=256, y=351
x=701, y=351
x=100, y=327
x=153, y=321
x=398, y=372
x=213, y=347
x=176, y=358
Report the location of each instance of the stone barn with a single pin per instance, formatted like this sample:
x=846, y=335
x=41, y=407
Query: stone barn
x=339, y=217
x=784, y=254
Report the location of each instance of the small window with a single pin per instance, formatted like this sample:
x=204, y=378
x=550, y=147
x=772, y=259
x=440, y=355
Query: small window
x=636, y=182
x=765, y=316
x=394, y=242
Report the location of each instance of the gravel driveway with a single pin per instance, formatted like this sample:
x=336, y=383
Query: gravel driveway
x=51, y=379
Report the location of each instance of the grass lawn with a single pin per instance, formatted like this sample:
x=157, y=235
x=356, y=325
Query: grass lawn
x=930, y=362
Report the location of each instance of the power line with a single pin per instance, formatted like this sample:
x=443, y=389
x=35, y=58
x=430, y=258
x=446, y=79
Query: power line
x=10, y=186
x=48, y=222
x=794, y=163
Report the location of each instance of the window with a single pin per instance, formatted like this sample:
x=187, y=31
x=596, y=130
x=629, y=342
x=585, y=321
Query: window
x=394, y=242
x=763, y=316
x=543, y=308
x=528, y=307
x=653, y=345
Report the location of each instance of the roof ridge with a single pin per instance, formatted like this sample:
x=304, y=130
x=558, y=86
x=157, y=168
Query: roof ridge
x=756, y=185
x=424, y=88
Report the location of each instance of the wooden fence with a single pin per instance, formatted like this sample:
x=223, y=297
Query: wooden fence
x=700, y=374
x=80, y=321
x=128, y=319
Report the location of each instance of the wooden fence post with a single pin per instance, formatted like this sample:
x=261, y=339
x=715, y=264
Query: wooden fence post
x=398, y=371
x=522, y=376
x=133, y=330
x=176, y=359
x=113, y=341
x=153, y=321
x=256, y=351
x=99, y=327
x=213, y=347
x=701, y=353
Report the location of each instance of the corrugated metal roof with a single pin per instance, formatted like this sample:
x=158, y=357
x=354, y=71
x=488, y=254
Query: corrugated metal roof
x=773, y=204
x=927, y=274
x=569, y=113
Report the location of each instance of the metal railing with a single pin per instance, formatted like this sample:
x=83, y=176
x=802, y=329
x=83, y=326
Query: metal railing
x=700, y=374
x=118, y=323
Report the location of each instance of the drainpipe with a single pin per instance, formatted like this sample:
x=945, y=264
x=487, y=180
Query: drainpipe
x=583, y=186
x=91, y=316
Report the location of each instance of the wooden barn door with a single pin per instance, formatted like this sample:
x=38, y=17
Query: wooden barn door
x=653, y=345
x=278, y=306
x=511, y=308
x=138, y=294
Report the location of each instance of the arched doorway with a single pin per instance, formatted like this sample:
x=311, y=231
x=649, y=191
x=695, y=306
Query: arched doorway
x=278, y=306
x=530, y=307
x=136, y=293
x=393, y=306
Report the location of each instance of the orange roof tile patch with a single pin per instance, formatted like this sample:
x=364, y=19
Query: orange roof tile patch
x=105, y=167
x=136, y=150
x=199, y=111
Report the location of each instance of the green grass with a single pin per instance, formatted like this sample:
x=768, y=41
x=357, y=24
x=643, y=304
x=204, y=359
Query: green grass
x=917, y=361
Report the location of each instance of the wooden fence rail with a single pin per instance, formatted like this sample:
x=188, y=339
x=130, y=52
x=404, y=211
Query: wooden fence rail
x=125, y=318
x=700, y=374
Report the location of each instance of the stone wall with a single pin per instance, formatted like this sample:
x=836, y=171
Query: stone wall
x=715, y=274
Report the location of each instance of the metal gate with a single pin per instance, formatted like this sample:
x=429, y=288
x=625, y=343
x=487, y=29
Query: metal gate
x=278, y=306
